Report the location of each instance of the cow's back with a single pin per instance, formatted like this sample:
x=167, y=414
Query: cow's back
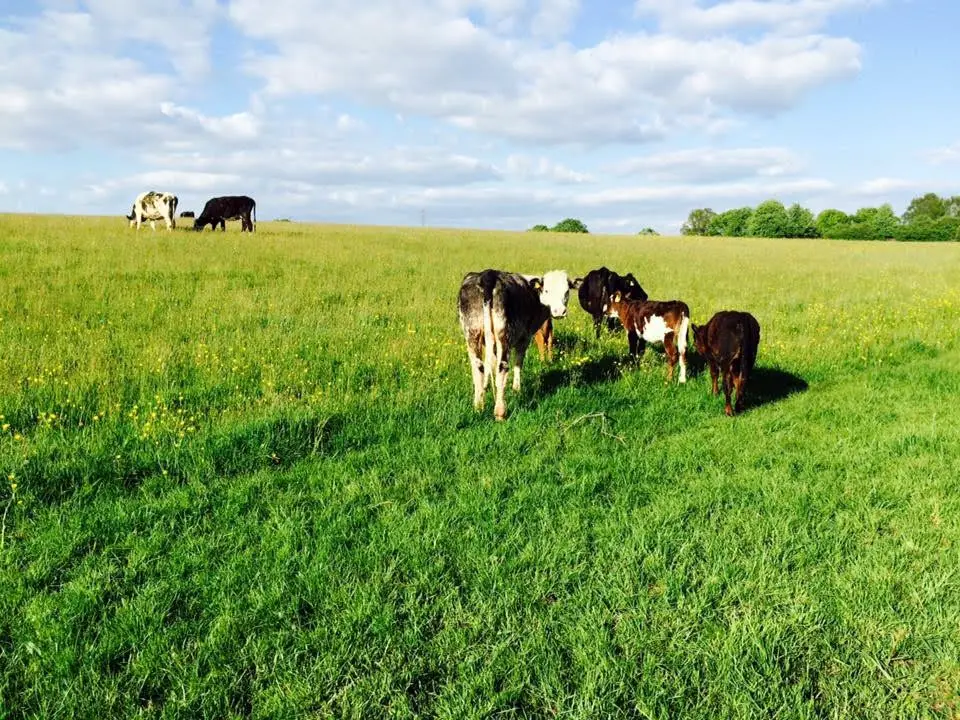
x=732, y=333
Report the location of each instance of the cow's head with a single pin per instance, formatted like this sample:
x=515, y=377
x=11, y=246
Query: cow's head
x=611, y=308
x=198, y=223
x=699, y=338
x=631, y=288
x=555, y=291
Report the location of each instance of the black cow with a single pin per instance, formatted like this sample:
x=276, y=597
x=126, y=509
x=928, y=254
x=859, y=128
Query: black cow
x=596, y=288
x=229, y=207
x=187, y=214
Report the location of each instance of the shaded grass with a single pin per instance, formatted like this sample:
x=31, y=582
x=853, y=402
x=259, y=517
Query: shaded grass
x=287, y=507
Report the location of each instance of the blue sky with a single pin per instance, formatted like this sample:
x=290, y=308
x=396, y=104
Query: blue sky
x=482, y=113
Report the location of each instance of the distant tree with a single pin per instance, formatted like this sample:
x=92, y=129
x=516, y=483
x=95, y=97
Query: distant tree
x=731, y=223
x=930, y=206
x=923, y=229
x=831, y=223
x=570, y=225
x=648, y=231
x=698, y=222
x=539, y=228
x=770, y=219
x=952, y=206
x=800, y=222
x=878, y=223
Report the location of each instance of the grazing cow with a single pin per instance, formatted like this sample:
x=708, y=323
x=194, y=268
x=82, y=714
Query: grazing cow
x=229, y=207
x=187, y=214
x=153, y=206
x=646, y=321
x=728, y=342
x=596, y=288
x=502, y=311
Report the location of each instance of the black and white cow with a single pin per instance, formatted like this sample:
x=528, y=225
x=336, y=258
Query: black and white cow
x=152, y=206
x=228, y=207
x=501, y=312
x=597, y=287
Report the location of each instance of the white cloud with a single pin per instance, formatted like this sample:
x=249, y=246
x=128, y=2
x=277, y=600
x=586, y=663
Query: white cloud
x=425, y=58
x=707, y=164
x=554, y=18
x=944, y=155
x=885, y=186
x=524, y=167
x=783, y=16
x=239, y=126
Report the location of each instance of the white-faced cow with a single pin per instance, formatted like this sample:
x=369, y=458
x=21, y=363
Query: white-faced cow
x=501, y=312
x=152, y=206
x=654, y=321
x=596, y=288
x=228, y=207
x=728, y=342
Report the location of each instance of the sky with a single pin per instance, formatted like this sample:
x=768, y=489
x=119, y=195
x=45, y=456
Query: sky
x=478, y=113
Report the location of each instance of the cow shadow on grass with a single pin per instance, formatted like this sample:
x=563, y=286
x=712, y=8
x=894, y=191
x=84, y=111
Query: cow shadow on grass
x=765, y=385
x=768, y=385
x=588, y=372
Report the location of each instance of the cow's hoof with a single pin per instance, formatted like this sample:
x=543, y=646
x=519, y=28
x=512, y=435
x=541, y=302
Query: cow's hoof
x=500, y=414
x=728, y=411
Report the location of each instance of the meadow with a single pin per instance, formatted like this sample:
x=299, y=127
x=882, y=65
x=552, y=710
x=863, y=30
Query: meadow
x=242, y=477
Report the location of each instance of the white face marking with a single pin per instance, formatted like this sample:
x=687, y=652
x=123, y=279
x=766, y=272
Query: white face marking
x=556, y=292
x=655, y=329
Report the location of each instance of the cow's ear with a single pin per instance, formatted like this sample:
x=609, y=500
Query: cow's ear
x=616, y=296
x=536, y=283
x=575, y=285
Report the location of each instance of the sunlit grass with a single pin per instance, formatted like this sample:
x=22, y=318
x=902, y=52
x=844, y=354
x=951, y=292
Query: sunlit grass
x=244, y=478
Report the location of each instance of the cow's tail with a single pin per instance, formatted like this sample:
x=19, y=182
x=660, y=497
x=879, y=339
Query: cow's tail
x=254, y=214
x=133, y=212
x=682, y=333
x=488, y=281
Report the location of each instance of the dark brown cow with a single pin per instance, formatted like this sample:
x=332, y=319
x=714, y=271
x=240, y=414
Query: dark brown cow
x=663, y=321
x=595, y=289
x=728, y=342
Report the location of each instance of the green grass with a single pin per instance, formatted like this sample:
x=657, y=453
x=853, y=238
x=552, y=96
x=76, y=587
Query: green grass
x=250, y=482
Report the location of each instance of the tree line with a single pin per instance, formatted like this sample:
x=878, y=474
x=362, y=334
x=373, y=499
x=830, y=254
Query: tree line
x=928, y=217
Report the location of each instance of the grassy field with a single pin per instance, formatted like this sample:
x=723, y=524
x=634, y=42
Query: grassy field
x=244, y=479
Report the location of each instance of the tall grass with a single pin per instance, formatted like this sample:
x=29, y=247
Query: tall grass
x=244, y=478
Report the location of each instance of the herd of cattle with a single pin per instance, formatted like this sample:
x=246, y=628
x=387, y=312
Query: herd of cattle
x=152, y=206
x=501, y=312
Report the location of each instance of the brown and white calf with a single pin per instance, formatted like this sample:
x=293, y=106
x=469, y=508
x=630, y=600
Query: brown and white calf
x=501, y=312
x=729, y=342
x=664, y=321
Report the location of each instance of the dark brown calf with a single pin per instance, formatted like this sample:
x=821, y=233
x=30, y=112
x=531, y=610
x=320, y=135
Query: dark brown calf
x=663, y=321
x=728, y=342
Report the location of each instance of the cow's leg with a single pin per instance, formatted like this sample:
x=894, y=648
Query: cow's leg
x=671, y=350
x=475, y=354
x=633, y=342
x=727, y=389
x=501, y=360
x=739, y=381
x=541, y=341
x=713, y=377
x=519, y=351
x=597, y=320
x=682, y=349
x=611, y=324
